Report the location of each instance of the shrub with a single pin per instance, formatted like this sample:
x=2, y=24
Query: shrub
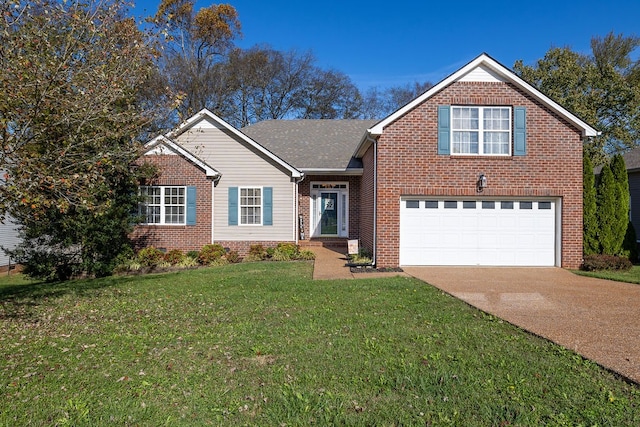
x=174, y=257
x=233, y=257
x=289, y=250
x=211, y=253
x=150, y=257
x=605, y=262
x=306, y=255
x=193, y=254
x=257, y=252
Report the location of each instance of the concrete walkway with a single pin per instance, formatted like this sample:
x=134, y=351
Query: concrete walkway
x=330, y=264
x=598, y=319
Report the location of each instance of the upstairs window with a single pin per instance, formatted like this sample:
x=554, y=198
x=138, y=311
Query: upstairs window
x=481, y=131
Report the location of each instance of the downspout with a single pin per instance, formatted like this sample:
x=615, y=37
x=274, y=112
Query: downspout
x=296, y=209
x=214, y=183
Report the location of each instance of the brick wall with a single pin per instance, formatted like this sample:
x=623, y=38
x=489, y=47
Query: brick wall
x=408, y=164
x=176, y=170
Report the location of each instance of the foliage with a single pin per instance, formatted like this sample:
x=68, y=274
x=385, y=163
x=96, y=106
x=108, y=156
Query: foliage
x=150, y=257
x=590, y=220
x=598, y=262
x=194, y=43
x=621, y=218
x=607, y=192
x=630, y=244
x=210, y=253
x=174, y=257
x=233, y=257
x=264, y=344
x=602, y=88
x=69, y=118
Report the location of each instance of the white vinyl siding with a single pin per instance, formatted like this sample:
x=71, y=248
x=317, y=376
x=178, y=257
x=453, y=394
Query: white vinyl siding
x=243, y=167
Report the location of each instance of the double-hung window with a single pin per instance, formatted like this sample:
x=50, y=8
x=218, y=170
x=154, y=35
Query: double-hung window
x=251, y=206
x=481, y=130
x=163, y=205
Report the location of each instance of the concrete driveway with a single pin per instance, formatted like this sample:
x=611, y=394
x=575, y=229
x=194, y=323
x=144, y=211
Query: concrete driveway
x=598, y=319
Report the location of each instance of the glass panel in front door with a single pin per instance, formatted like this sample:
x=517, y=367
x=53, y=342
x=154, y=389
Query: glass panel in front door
x=329, y=213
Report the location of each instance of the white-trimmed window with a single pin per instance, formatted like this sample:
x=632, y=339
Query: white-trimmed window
x=163, y=205
x=481, y=130
x=251, y=206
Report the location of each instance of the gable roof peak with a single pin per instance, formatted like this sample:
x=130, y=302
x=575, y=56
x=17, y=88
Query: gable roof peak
x=498, y=72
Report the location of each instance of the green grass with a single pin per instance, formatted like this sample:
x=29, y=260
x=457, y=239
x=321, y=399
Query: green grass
x=263, y=344
x=631, y=276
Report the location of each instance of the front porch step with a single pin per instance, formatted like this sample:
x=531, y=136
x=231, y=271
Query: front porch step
x=340, y=244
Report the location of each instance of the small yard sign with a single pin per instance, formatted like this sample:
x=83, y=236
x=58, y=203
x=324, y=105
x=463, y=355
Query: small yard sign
x=353, y=247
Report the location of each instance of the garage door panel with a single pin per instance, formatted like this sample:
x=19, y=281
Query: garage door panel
x=493, y=233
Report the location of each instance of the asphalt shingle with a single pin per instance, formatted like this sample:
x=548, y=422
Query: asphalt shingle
x=311, y=144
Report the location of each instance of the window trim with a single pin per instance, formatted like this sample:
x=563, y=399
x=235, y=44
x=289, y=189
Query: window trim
x=240, y=206
x=481, y=130
x=163, y=206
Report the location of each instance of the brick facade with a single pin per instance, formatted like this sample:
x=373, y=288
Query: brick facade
x=408, y=164
x=175, y=170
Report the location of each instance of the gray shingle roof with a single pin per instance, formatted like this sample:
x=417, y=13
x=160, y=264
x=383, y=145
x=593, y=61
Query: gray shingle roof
x=632, y=159
x=311, y=144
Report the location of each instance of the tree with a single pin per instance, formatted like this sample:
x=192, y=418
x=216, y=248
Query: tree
x=591, y=244
x=265, y=84
x=379, y=103
x=70, y=112
x=621, y=219
x=603, y=89
x=195, y=42
x=606, y=200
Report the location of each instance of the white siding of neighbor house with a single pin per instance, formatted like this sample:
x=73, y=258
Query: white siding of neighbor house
x=242, y=166
x=8, y=239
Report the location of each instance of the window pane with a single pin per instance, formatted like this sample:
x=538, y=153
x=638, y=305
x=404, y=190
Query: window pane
x=467, y=204
x=450, y=204
x=413, y=204
x=506, y=205
x=526, y=205
x=488, y=205
x=251, y=206
x=544, y=205
x=431, y=204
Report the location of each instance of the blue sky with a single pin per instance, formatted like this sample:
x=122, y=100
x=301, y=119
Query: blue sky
x=393, y=43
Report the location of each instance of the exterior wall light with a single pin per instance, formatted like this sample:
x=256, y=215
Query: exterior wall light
x=482, y=183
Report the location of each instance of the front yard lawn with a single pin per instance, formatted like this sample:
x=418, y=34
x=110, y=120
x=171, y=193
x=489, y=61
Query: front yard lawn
x=631, y=276
x=263, y=344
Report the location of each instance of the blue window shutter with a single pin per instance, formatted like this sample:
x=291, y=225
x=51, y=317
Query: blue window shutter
x=233, y=205
x=519, y=131
x=267, y=206
x=191, y=205
x=444, y=129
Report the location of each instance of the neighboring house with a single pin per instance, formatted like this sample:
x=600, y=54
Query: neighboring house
x=632, y=163
x=8, y=240
x=482, y=169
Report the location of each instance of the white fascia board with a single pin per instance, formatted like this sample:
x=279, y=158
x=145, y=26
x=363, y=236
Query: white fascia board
x=178, y=149
x=186, y=125
x=509, y=75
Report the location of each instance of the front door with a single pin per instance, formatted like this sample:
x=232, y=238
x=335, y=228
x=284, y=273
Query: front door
x=329, y=209
x=329, y=214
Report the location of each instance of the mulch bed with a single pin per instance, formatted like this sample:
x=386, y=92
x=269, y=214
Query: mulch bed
x=369, y=269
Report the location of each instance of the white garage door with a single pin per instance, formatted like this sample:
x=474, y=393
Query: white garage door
x=477, y=232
